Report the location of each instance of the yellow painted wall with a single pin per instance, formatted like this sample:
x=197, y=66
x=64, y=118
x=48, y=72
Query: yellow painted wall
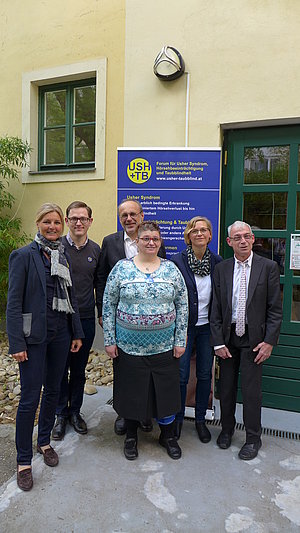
x=37, y=35
x=242, y=57
x=243, y=60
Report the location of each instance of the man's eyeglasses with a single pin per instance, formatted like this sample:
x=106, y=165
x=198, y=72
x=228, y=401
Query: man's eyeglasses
x=156, y=240
x=200, y=230
x=82, y=220
x=238, y=238
x=124, y=216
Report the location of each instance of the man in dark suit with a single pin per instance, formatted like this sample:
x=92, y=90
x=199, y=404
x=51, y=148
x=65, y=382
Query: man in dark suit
x=116, y=246
x=245, y=324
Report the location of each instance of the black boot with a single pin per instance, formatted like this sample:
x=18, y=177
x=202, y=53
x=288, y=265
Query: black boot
x=167, y=440
x=130, y=442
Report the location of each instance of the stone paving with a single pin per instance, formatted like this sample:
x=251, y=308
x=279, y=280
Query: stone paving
x=95, y=489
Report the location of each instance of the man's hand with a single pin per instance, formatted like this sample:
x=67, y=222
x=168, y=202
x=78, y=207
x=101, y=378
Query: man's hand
x=20, y=356
x=101, y=321
x=224, y=353
x=178, y=351
x=264, y=351
x=112, y=351
x=76, y=345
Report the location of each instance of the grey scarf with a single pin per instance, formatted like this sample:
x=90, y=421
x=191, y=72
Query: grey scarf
x=59, y=269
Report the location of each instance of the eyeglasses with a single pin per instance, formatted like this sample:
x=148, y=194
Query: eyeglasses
x=200, y=230
x=82, y=220
x=238, y=238
x=156, y=240
x=124, y=216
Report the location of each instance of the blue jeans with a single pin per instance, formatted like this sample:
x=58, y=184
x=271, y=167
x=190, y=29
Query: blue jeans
x=204, y=360
x=45, y=366
x=72, y=387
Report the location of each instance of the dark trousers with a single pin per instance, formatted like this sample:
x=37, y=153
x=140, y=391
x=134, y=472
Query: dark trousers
x=72, y=386
x=198, y=335
x=251, y=377
x=45, y=366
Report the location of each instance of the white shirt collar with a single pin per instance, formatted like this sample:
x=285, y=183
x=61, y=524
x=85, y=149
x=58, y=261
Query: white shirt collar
x=128, y=239
x=72, y=243
x=247, y=261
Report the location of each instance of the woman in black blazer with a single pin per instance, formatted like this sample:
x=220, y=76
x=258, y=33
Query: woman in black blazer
x=42, y=319
x=196, y=264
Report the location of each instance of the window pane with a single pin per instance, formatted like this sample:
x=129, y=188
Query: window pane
x=55, y=146
x=55, y=108
x=85, y=104
x=265, y=210
x=296, y=303
x=269, y=164
x=84, y=144
x=272, y=248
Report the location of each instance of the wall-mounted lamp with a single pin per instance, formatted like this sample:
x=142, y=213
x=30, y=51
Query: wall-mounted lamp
x=169, y=64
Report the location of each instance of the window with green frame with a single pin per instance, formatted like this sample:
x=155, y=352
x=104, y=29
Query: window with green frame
x=67, y=121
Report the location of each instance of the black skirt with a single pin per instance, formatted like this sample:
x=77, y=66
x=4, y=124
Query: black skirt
x=146, y=386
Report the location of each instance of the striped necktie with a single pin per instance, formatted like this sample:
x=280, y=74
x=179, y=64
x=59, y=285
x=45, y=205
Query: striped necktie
x=241, y=310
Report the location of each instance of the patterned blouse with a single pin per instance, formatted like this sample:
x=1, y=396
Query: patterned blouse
x=145, y=314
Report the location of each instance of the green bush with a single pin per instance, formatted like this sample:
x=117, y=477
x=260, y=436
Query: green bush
x=13, y=154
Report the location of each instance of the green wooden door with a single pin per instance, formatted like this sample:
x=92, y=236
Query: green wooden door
x=261, y=185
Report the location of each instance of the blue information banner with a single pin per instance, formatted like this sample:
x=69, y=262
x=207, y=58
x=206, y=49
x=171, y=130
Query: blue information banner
x=173, y=186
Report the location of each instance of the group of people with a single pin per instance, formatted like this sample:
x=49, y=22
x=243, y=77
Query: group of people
x=154, y=313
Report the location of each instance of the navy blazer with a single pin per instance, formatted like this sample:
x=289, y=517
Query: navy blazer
x=263, y=307
x=112, y=250
x=181, y=261
x=26, y=316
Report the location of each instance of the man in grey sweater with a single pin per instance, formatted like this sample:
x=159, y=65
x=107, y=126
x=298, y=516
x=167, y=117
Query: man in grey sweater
x=84, y=255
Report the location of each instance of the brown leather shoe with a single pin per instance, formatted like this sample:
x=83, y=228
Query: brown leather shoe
x=50, y=456
x=24, y=479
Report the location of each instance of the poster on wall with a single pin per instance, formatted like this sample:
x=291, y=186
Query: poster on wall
x=173, y=185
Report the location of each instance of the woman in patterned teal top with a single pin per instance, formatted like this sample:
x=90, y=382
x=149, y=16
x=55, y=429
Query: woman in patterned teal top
x=145, y=315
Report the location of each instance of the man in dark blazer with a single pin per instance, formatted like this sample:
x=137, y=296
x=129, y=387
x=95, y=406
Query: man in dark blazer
x=116, y=246
x=245, y=323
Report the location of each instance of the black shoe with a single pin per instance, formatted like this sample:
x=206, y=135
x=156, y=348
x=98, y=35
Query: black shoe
x=224, y=439
x=249, y=451
x=177, y=429
x=130, y=448
x=203, y=432
x=172, y=447
x=146, y=425
x=120, y=426
x=59, y=428
x=78, y=423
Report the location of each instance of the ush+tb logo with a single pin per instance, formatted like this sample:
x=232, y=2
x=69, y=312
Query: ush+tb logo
x=139, y=170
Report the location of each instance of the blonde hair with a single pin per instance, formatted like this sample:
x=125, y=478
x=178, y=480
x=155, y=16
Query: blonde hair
x=45, y=209
x=191, y=225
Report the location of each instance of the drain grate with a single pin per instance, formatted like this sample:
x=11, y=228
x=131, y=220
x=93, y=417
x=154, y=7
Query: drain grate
x=265, y=431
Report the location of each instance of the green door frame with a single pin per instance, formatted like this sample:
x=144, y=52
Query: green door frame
x=282, y=372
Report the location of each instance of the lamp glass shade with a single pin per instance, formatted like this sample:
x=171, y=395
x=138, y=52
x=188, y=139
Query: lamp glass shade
x=168, y=64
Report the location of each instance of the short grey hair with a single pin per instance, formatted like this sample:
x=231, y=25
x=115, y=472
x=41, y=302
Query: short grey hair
x=239, y=224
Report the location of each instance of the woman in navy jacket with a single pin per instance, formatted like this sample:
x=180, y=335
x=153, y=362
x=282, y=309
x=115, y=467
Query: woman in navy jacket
x=196, y=264
x=42, y=320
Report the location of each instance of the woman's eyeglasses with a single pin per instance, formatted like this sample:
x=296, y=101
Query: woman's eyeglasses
x=200, y=230
x=156, y=240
